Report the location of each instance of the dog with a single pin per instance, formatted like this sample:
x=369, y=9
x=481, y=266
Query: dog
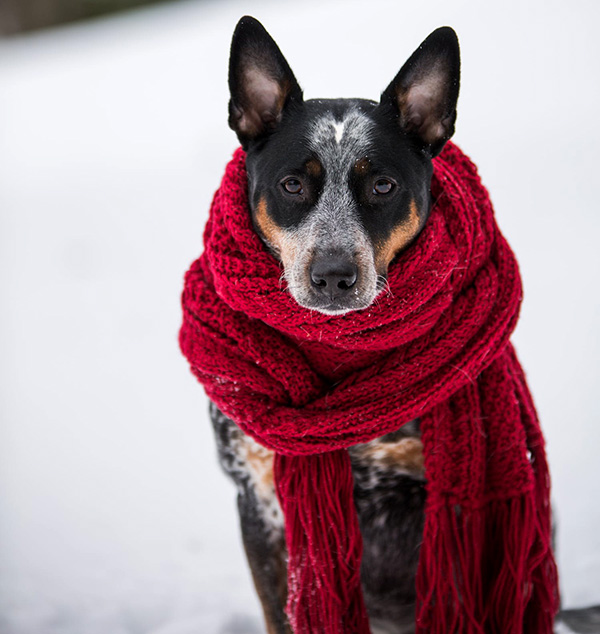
x=337, y=188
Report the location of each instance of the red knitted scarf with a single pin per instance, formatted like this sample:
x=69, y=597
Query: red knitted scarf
x=436, y=347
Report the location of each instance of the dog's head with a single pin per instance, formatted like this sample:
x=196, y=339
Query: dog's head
x=337, y=188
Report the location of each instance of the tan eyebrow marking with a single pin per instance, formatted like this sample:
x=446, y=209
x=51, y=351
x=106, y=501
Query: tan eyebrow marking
x=314, y=167
x=362, y=166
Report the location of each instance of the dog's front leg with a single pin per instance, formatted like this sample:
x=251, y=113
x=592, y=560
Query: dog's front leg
x=251, y=468
x=266, y=552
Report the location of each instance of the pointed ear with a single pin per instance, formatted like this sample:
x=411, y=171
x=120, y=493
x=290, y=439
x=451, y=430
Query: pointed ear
x=425, y=91
x=261, y=82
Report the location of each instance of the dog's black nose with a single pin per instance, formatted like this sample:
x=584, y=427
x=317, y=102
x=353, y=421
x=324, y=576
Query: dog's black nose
x=333, y=276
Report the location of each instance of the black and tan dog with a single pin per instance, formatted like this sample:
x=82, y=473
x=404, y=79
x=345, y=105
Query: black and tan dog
x=337, y=189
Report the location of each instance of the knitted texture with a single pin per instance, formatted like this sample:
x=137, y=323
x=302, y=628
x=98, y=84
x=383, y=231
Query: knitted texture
x=436, y=346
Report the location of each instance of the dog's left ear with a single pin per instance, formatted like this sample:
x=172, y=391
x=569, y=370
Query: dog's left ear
x=425, y=91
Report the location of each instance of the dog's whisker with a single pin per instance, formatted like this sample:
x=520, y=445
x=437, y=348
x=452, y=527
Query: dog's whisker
x=384, y=285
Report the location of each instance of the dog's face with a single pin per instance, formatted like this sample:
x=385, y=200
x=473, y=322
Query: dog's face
x=337, y=188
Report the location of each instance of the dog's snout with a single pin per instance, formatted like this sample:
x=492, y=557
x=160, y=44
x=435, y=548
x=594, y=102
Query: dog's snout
x=333, y=276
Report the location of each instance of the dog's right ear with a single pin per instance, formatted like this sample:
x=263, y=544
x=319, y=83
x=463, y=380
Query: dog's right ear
x=261, y=82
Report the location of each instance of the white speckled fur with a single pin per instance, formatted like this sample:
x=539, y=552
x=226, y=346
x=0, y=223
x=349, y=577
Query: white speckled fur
x=333, y=225
x=250, y=466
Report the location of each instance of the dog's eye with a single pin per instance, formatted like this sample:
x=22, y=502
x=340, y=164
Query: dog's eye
x=292, y=186
x=382, y=186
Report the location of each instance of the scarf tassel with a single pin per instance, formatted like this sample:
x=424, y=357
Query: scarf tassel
x=324, y=543
x=486, y=570
x=481, y=571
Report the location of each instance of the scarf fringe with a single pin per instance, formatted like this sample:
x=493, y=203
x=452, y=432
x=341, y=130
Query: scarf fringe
x=324, y=544
x=484, y=570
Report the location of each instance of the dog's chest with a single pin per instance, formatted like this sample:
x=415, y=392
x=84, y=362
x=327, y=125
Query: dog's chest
x=383, y=470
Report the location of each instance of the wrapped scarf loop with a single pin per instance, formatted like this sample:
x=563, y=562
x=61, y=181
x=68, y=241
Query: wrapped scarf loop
x=436, y=346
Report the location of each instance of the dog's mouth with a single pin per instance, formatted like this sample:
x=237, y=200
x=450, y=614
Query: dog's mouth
x=333, y=308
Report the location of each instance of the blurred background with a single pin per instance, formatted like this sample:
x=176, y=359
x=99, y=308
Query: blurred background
x=17, y=16
x=114, y=516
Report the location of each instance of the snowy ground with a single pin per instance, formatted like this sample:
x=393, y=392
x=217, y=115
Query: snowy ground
x=114, y=516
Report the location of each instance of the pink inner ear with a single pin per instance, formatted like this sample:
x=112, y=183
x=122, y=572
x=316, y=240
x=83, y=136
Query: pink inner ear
x=263, y=101
x=422, y=106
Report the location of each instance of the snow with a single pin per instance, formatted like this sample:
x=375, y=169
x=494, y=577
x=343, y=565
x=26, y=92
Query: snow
x=114, y=516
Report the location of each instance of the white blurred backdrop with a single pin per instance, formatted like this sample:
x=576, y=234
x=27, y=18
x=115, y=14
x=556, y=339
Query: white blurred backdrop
x=114, y=516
